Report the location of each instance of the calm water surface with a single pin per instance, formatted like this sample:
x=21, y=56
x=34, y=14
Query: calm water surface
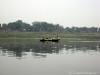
x=37, y=58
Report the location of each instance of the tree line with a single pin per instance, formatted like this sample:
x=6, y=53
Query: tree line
x=46, y=27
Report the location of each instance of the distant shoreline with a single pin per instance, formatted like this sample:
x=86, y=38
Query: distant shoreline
x=39, y=35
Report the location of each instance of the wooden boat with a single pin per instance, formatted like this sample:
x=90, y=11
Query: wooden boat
x=52, y=40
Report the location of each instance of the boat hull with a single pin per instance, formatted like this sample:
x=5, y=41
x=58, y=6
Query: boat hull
x=52, y=40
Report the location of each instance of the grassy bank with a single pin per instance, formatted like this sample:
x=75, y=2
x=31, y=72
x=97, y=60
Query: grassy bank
x=48, y=35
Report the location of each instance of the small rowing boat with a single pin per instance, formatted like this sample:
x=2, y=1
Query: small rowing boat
x=53, y=39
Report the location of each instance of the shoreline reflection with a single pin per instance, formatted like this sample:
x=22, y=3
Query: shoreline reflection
x=40, y=50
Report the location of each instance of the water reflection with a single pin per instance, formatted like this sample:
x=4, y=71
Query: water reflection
x=40, y=50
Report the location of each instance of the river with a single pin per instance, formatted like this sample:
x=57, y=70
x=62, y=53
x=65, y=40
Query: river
x=66, y=57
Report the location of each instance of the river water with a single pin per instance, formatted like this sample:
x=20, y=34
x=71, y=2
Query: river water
x=66, y=57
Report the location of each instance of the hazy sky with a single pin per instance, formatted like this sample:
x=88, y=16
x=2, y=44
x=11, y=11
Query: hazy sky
x=69, y=13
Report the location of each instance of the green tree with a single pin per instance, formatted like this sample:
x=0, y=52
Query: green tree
x=73, y=29
x=68, y=29
x=4, y=26
x=78, y=30
x=94, y=29
x=14, y=26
